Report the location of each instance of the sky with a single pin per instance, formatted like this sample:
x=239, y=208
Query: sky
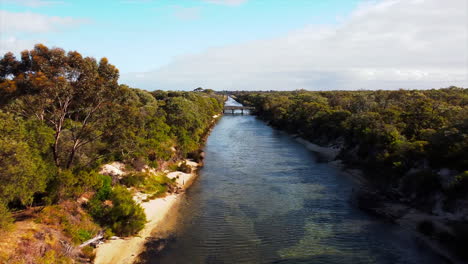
x=254, y=44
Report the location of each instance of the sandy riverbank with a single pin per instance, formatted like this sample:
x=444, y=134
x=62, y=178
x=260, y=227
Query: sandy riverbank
x=126, y=250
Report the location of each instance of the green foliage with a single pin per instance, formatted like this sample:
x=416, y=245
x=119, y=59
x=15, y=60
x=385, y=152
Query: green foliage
x=52, y=257
x=184, y=167
x=88, y=252
x=70, y=218
x=135, y=179
x=120, y=213
x=83, y=235
x=105, y=188
x=68, y=184
x=156, y=185
x=23, y=169
x=6, y=220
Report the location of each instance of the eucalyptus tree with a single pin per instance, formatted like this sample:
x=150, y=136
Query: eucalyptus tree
x=70, y=93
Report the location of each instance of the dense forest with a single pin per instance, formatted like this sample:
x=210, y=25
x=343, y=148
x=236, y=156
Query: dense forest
x=62, y=116
x=411, y=145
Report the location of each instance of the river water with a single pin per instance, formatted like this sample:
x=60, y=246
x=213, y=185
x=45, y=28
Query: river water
x=264, y=198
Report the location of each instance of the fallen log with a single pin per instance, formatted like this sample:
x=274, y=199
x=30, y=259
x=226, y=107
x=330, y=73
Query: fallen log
x=99, y=236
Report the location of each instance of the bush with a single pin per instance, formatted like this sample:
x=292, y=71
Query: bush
x=184, y=167
x=6, y=220
x=105, y=188
x=68, y=184
x=173, y=167
x=135, y=179
x=157, y=185
x=70, y=218
x=195, y=155
x=53, y=257
x=88, y=252
x=120, y=213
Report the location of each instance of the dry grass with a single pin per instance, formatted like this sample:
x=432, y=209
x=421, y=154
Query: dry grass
x=48, y=236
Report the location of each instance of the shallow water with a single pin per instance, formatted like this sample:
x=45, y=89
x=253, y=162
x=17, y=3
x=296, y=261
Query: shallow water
x=264, y=198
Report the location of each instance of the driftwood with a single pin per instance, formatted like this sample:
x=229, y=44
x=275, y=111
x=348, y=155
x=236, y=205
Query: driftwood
x=97, y=238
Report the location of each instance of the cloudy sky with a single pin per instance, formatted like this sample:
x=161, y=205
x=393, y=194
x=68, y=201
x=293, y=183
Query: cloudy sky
x=255, y=44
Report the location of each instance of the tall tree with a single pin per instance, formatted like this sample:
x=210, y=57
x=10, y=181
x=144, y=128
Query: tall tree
x=69, y=92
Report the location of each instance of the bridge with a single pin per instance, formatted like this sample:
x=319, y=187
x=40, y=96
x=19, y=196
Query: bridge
x=233, y=108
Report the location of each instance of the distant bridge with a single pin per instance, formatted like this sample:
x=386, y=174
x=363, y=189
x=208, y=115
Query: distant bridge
x=233, y=108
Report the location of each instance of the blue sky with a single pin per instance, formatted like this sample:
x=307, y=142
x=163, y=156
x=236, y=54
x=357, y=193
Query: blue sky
x=179, y=44
x=142, y=35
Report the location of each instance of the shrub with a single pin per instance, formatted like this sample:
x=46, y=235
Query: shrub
x=6, y=220
x=52, y=257
x=135, y=179
x=70, y=218
x=184, y=167
x=120, y=213
x=105, y=188
x=157, y=185
x=173, y=167
x=68, y=184
x=195, y=155
x=83, y=235
x=88, y=252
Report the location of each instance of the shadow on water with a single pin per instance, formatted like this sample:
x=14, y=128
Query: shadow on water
x=264, y=198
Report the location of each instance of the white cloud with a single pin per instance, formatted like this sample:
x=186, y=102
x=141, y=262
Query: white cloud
x=27, y=22
x=386, y=44
x=226, y=2
x=12, y=44
x=18, y=30
x=32, y=3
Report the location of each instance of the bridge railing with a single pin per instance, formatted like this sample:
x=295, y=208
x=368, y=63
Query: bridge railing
x=233, y=108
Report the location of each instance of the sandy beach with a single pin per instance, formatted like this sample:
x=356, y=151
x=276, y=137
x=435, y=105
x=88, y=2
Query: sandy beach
x=126, y=250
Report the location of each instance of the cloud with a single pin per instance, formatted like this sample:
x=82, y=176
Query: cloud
x=226, y=2
x=27, y=22
x=19, y=29
x=15, y=45
x=386, y=44
x=33, y=3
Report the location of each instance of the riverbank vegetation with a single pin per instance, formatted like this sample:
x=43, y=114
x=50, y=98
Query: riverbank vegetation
x=412, y=145
x=62, y=116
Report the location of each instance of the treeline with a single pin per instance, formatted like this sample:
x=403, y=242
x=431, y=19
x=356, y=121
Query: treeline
x=412, y=142
x=63, y=115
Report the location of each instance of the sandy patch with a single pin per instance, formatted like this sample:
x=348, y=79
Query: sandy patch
x=126, y=250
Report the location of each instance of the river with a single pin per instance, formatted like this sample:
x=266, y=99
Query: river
x=262, y=197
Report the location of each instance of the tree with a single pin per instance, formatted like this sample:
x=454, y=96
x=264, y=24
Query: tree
x=23, y=171
x=69, y=93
